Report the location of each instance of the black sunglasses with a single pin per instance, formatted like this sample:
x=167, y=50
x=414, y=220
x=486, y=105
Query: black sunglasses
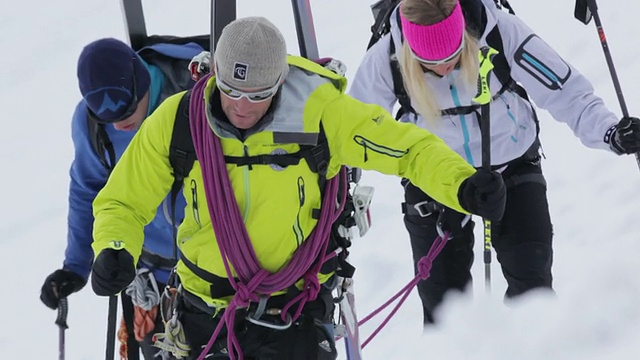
x=133, y=106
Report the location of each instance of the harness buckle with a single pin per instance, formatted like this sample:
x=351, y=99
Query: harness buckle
x=275, y=325
x=255, y=316
x=427, y=207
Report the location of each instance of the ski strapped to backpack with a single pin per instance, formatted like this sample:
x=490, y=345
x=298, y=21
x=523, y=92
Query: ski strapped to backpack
x=476, y=18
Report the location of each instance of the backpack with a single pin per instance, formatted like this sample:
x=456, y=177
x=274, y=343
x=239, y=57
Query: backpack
x=476, y=18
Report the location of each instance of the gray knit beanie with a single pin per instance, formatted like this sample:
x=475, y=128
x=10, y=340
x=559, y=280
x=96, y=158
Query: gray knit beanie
x=251, y=53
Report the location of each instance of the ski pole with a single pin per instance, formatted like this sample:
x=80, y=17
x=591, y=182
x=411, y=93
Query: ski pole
x=584, y=11
x=484, y=99
x=111, y=327
x=61, y=321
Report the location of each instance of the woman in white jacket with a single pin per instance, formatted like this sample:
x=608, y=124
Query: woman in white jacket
x=437, y=44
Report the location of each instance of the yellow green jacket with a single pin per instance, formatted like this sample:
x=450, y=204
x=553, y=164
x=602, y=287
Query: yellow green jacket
x=269, y=198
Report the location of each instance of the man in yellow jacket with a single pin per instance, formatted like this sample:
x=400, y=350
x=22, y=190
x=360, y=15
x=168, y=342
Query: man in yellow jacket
x=254, y=234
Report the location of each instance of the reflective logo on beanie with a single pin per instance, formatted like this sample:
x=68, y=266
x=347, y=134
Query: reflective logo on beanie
x=108, y=99
x=108, y=104
x=240, y=71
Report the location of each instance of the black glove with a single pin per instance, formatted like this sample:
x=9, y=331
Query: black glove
x=484, y=194
x=113, y=270
x=625, y=136
x=60, y=284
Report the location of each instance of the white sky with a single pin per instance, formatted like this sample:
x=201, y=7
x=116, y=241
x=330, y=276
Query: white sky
x=593, y=194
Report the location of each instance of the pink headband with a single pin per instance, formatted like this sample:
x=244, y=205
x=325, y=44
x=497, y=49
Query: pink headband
x=436, y=41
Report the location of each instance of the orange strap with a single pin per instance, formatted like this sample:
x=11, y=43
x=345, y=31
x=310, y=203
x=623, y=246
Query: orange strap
x=122, y=338
x=143, y=323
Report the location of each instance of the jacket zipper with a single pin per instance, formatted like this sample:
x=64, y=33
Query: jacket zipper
x=297, y=228
x=194, y=201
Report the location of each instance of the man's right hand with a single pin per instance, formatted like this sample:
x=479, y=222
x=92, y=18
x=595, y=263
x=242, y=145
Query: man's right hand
x=484, y=194
x=113, y=270
x=60, y=284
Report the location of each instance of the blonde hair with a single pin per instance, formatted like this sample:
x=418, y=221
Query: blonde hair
x=427, y=12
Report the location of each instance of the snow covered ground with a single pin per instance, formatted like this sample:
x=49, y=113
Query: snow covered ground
x=595, y=314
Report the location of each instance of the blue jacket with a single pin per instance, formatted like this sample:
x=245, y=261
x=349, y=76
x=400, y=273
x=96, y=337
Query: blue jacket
x=88, y=175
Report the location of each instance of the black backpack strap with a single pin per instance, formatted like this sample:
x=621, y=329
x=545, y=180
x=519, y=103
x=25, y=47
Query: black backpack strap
x=502, y=70
x=202, y=40
x=382, y=14
x=101, y=144
x=398, y=83
x=283, y=160
x=501, y=67
x=317, y=158
x=128, y=315
x=505, y=4
x=475, y=16
x=382, y=11
x=182, y=155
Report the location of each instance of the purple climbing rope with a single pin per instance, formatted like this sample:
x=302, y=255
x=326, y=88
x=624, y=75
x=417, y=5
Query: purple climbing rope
x=424, y=267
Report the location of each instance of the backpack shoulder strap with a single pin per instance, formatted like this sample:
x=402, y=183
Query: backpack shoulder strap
x=382, y=14
x=182, y=154
x=501, y=68
x=382, y=11
x=101, y=144
x=317, y=157
x=398, y=83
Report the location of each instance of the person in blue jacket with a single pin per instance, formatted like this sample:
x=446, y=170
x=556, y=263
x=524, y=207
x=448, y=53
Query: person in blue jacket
x=119, y=89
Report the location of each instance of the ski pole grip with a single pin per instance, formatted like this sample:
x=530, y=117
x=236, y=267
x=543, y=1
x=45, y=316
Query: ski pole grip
x=63, y=311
